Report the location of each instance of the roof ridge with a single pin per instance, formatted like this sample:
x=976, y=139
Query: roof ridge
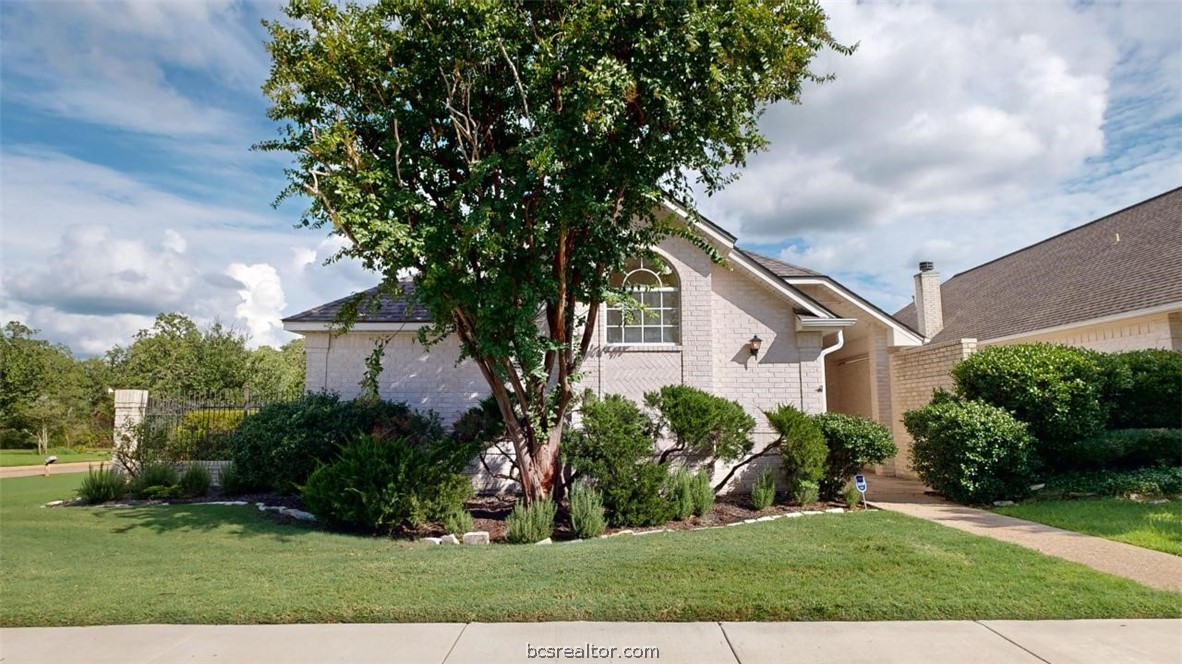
x=1065, y=232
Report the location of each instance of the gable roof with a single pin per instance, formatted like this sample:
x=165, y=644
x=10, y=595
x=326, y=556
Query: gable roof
x=1127, y=261
x=388, y=309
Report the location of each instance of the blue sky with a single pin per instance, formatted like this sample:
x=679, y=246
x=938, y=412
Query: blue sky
x=956, y=133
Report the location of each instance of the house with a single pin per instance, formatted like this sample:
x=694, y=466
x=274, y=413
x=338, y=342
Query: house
x=820, y=346
x=1113, y=284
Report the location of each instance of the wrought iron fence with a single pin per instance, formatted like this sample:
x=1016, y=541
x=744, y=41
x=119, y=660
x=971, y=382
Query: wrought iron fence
x=191, y=427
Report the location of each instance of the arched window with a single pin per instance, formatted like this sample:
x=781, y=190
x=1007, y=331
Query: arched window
x=658, y=320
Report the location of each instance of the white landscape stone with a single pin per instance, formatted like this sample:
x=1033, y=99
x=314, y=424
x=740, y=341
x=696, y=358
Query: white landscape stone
x=298, y=514
x=834, y=510
x=223, y=502
x=545, y=541
x=810, y=512
x=431, y=540
x=766, y=518
x=650, y=532
x=54, y=503
x=478, y=537
x=449, y=539
x=1002, y=503
x=793, y=514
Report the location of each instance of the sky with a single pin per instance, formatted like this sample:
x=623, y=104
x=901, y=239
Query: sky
x=956, y=133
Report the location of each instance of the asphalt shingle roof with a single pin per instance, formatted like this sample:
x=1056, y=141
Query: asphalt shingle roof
x=388, y=310
x=1126, y=261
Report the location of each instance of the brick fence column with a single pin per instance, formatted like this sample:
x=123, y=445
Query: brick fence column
x=130, y=406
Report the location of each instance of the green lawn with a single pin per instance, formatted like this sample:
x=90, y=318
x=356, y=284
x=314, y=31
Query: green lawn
x=1156, y=527
x=32, y=458
x=213, y=564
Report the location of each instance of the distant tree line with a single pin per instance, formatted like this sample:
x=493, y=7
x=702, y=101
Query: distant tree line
x=49, y=397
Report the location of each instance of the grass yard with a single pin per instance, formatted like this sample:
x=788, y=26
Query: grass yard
x=1157, y=527
x=32, y=458
x=215, y=564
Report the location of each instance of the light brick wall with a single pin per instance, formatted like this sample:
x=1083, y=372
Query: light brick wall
x=1131, y=334
x=929, y=310
x=915, y=373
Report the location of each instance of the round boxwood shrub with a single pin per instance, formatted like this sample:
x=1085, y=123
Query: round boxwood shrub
x=1152, y=398
x=971, y=451
x=1056, y=390
x=853, y=442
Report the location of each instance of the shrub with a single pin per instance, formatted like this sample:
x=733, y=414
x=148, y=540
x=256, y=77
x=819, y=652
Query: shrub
x=763, y=493
x=970, y=451
x=1148, y=481
x=703, y=493
x=586, y=512
x=1055, y=390
x=614, y=450
x=230, y=481
x=204, y=434
x=1153, y=393
x=103, y=485
x=701, y=423
x=853, y=442
x=1127, y=449
x=387, y=485
x=807, y=491
x=458, y=522
x=195, y=481
x=681, y=493
x=851, y=495
x=802, y=446
x=279, y=446
x=528, y=524
x=154, y=481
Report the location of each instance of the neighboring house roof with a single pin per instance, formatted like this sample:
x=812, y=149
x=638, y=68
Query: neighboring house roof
x=1128, y=261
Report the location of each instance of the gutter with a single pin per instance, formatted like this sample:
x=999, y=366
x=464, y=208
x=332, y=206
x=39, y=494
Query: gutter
x=824, y=352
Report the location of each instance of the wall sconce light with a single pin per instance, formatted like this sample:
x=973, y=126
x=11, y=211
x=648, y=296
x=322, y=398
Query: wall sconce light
x=755, y=342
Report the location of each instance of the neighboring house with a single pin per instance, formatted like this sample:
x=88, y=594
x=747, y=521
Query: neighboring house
x=1111, y=285
x=821, y=347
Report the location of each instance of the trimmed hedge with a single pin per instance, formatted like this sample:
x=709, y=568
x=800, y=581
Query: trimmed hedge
x=1152, y=396
x=853, y=442
x=970, y=451
x=1056, y=390
x=1145, y=481
x=1127, y=449
x=801, y=444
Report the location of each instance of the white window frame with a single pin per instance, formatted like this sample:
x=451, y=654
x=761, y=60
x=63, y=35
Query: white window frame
x=617, y=334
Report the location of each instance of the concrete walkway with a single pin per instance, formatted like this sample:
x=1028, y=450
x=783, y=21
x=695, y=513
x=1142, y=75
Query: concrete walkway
x=55, y=469
x=985, y=642
x=1152, y=568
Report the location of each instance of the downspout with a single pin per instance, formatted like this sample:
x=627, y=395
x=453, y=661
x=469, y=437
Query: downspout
x=824, y=352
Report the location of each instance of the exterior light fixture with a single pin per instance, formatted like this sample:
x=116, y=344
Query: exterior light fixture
x=755, y=342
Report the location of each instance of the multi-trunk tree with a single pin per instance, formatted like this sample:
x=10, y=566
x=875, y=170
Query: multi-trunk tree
x=510, y=156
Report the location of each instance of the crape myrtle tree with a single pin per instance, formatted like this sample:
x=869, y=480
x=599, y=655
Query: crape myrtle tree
x=510, y=156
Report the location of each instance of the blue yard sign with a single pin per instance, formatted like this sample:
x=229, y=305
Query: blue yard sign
x=860, y=482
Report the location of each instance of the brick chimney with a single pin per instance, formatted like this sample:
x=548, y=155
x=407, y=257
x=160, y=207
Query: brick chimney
x=929, y=312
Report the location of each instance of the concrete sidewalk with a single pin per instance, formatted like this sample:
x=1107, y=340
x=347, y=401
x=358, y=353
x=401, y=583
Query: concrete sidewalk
x=1152, y=568
x=55, y=469
x=986, y=642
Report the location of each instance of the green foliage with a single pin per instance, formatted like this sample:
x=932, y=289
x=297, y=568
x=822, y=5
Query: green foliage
x=279, y=446
x=702, y=424
x=458, y=522
x=515, y=155
x=278, y=374
x=971, y=451
x=175, y=356
x=154, y=479
x=480, y=425
x=1146, y=481
x=703, y=493
x=195, y=481
x=614, y=450
x=763, y=492
x=1153, y=394
x=851, y=495
x=204, y=434
x=528, y=524
x=586, y=512
x=103, y=485
x=681, y=493
x=806, y=492
x=853, y=442
x=1127, y=449
x=1056, y=390
x=801, y=444
x=387, y=485
x=231, y=482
